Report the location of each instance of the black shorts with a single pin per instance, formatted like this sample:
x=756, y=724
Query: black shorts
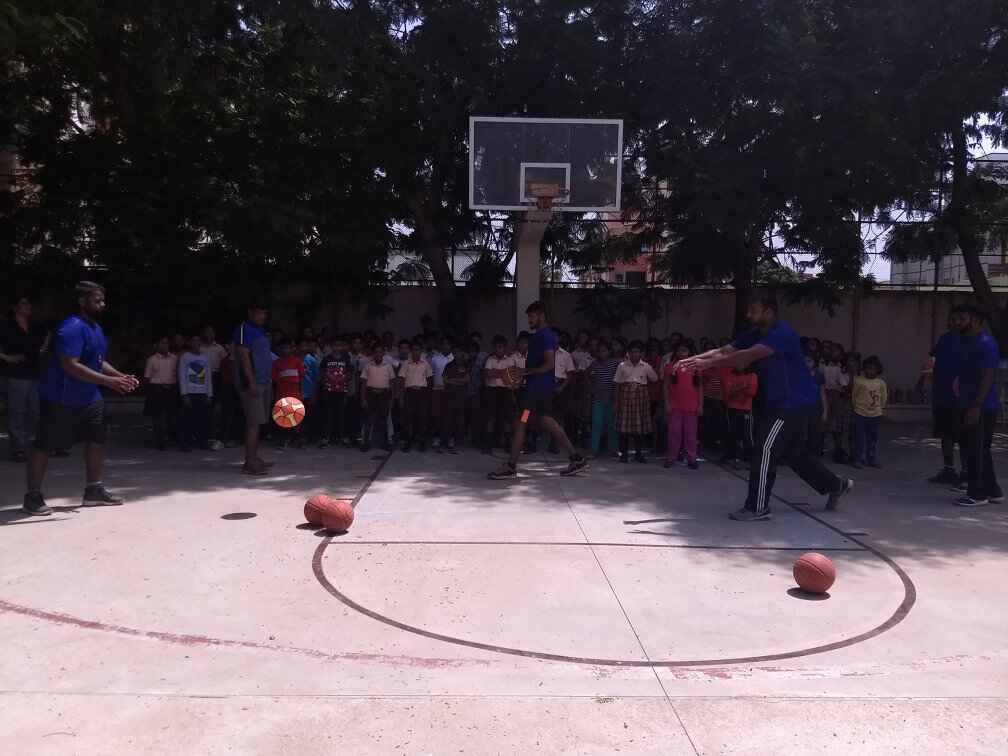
x=60, y=427
x=535, y=404
x=945, y=422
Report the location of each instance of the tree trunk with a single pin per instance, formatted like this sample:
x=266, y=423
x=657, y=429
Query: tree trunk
x=971, y=243
x=742, y=278
x=453, y=316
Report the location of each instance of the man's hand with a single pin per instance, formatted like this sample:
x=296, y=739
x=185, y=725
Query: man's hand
x=972, y=416
x=691, y=363
x=122, y=384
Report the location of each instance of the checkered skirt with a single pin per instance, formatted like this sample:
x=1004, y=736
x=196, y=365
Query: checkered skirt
x=633, y=411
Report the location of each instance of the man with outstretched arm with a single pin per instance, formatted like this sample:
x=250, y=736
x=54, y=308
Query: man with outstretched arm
x=70, y=401
x=774, y=349
x=537, y=399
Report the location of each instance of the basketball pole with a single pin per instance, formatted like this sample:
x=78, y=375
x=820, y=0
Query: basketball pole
x=528, y=268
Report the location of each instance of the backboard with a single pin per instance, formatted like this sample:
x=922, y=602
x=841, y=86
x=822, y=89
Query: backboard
x=511, y=159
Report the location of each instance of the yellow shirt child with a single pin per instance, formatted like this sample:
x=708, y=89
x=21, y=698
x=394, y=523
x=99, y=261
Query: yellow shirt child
x=869, y=396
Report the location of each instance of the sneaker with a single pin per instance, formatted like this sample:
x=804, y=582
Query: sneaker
x=969, y=501
x=216, y=445
x=693, y=465
x=640, y=458
x=451, y=449
x=97, y=496
x=323, y=444
x=34, y=504
x=748, y=515
x=577, y=464
x=960, y=487
x=624, y=458
x=507, y=471
x=996, y=498
x=834, y=498
x=946, y=476
x=258, y=470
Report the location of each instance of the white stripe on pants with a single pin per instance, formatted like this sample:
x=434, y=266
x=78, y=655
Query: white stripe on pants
x=767, y=454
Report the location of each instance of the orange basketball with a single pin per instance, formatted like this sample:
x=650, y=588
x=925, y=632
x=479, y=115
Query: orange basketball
x=314, y=506
x=513, y=377
x=288, y=412
x=814, y=572
x=337, y=515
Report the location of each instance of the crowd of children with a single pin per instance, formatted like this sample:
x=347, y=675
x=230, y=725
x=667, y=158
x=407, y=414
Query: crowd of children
x=432, y=391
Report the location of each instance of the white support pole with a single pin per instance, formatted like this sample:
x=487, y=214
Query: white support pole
x=527, y=265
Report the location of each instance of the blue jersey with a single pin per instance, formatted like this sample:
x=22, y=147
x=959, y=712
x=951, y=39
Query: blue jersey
x=981, y=353
x=784, y=380
x=85, y=340
x=542, y=341
x=948, y=353
x=254, y=338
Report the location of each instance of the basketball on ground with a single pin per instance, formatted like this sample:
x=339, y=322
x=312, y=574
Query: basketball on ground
x=814, y=572
x=288, y=412
x=314, y=506
x=337, y=515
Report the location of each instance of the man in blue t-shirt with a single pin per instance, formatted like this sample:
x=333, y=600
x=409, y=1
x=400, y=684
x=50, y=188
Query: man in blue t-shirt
x=537, y=398
x=948, y=355
x=254, y=382
x=788, y=389
x=978, y=404
x=70, y=401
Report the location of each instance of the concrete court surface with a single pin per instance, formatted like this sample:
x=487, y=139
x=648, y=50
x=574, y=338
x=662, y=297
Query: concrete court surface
x=615, y=612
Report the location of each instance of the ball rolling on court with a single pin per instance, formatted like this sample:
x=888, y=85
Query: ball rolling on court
x=288, y=412
x=814, y=572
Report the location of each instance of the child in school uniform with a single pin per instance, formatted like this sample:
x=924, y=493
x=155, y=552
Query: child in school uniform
x=195, y=381
x=869, y=395
x=500, y=401
x=288, y=372
x=456, y=387
x=684, y=403
x=161, y=387
x=740, y=386
x=602, y=374
x=417, y=376
x=633, y=403
x=837, y=387
x=376, y=382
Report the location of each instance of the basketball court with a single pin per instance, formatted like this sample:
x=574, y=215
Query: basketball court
x=617, y=610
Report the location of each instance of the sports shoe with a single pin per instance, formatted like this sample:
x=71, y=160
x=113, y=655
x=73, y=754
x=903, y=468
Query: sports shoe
x=34, y=504
x=323, y=444
x=640, y=458
x=506, y=472
x=216, y=445
x=834, y=498
x=577, y=464
x=969, y=501
x=748, y=515
x=97, y=496
x=946, y=476
x=258, y=470
x=996, y=498
x=960, y=487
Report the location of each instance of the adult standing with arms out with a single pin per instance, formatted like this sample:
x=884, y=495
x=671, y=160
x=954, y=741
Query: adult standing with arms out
x=253, y=378
x=21, y=345
x=979, y=405
x=775, y=350
x=71, y=406
x=948, y=355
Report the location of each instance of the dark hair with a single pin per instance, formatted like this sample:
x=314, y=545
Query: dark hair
x=636, y=344
x=958, y=310
x=873, y=360
x=257, y=302
x=977, y=313
x=406, y=342
x=498, y=339
x=476, y=335
x=524, y=335
x=536, y=306
x=768, y=301
x=87, y=288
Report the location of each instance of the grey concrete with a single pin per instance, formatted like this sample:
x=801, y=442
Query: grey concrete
x=159, y=627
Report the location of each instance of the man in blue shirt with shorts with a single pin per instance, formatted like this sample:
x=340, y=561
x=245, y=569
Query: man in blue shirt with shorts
x=70, y=401
x=254, y=382
x=537, y=399
x=786, y=385
x=948, y=354
x=978, y=404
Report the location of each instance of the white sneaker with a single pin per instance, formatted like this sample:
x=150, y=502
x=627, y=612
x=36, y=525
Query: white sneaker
x=967, y=501
x=216, y=445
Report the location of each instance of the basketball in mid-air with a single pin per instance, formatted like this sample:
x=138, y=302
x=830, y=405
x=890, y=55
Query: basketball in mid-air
x=288, y=412
x=814, y=572
x=314, y=507
x=513, y=377
x=338, y=515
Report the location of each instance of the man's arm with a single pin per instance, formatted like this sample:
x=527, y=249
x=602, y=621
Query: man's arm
x=548, y=366
x=972, y=416
x=117, y=381
x=245, y=363
x=733, y=358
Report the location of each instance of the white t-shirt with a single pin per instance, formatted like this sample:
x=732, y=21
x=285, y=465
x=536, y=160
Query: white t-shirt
x=563, y=363
x=582, y=359
x=438, y=362
x=519, y=359
x=415, y=374
x=494, y=362
x=377, y=376
x=836, y=378
x=641, y=373
x=162, y=369
x=194, y=374
x=214, y=354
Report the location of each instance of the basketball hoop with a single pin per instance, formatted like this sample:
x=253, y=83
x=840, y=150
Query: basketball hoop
x=545, y=194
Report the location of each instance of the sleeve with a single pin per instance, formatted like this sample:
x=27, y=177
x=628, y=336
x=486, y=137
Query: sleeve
x=240, y=337
x=746, y=339
x=621, y=374
x=651, y=374
x=774, y=340
x=885, y=394
x=990, y=355
x=69, y=341
x=149, y=367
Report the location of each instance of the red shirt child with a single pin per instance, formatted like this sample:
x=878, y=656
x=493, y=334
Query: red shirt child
x=684, y=392
x=287, y=374
x=739, y=389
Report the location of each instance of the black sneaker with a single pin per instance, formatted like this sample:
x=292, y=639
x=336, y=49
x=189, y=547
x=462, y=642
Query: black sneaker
x=577, y=464
x=506, y=472
x=947, y=476
x=748, y=515
x=834, y=498
x=640, y=458
x=34, y=504
x=97, y=496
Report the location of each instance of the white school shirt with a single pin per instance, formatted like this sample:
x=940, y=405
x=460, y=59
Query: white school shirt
x=641, y=373
x=162, y=369
x=494, y=362
x=836, y=378
x=214, y=354
x=563, y=364
x=582, y=359
x=519, y=359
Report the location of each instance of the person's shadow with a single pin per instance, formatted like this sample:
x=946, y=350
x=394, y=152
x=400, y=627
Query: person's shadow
x=19, y=517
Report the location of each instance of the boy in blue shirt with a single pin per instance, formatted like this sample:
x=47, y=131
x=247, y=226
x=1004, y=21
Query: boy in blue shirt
x=979, y=405
x=254, y=382
x=948, y=355
x=71, y=406
x=774, y=349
